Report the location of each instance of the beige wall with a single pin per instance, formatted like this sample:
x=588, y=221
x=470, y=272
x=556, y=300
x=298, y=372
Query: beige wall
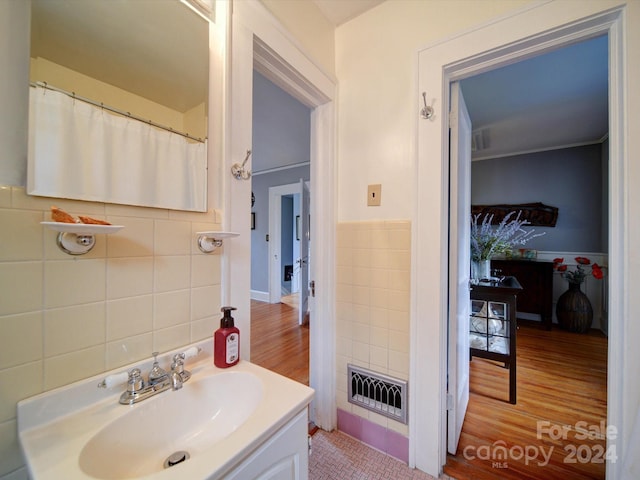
x=372, y=305
x=376, y=66
x=314, y=33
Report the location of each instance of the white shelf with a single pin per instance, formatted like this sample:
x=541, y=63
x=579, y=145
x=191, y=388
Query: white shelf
x=209, y=241
x=78, y=238
x=213, y=234
x=82, y=228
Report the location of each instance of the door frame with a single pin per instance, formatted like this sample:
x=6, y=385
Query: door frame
x=275, y=241
x=256, y=39
x=525, y=33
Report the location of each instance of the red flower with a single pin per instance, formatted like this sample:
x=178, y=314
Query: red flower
x=596, y=271
x=578, y=275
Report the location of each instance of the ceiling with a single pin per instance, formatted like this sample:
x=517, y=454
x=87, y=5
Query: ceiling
x=550, y=101
x=341, y=11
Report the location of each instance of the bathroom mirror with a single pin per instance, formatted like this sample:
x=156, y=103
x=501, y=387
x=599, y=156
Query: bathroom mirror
x=146, y=57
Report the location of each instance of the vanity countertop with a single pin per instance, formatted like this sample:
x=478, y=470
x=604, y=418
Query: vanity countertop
x=55, y=426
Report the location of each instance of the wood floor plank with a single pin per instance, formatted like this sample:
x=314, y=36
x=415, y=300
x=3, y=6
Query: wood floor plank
x=278, y=343
x=562, y=380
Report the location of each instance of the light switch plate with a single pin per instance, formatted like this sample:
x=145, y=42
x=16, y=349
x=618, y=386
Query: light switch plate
x=374, y=195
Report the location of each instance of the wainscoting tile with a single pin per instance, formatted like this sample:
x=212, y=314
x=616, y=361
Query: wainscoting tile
x=20, y=287
x=23, y=240
x=71, y=367
x=86, y=322
x=72, y=282
x=129, y=277
x=171, y=308
x=128, y=350
x=27, y=327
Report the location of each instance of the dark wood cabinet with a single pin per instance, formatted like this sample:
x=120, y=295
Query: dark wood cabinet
x=536, y=278
x=493, y=325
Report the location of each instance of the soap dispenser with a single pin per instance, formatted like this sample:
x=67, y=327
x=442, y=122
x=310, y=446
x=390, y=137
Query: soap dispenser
x=226, y=341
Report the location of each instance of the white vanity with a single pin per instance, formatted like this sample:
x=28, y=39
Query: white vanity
x=243, y=422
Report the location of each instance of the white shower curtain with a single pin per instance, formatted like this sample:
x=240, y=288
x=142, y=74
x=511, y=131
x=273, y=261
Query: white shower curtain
x=80, y=151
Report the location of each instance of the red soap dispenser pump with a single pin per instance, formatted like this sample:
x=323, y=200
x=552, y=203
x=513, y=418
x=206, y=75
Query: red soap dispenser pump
x=226, y=341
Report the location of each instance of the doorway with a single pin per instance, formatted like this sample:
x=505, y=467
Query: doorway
x=520, y=37
x=258, y=43
x=516, y=177
x=281, y=150
x=288, y=249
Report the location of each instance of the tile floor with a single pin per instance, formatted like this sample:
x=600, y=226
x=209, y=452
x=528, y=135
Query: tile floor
x=337, y=456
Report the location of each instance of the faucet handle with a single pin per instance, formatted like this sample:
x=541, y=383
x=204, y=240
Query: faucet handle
x=178, y=362
x=157, y=373
x=178, y=366
x=135, y=382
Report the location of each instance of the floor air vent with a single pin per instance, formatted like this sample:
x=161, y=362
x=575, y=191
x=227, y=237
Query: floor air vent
x=377, y=392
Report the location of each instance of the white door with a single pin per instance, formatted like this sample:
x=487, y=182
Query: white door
x=303, y=254
x=459, y=265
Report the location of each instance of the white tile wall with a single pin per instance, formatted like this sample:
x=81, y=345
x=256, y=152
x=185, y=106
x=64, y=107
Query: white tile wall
x=372, y=294
x=64, y=318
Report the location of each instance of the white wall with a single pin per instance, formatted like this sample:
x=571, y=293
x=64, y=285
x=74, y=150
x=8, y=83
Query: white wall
x=378, y=103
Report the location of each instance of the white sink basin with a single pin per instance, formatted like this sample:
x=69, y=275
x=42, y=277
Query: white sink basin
x=220, y=417
x=190, y=419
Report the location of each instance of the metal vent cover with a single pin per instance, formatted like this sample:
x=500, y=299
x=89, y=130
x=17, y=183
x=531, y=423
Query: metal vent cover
x=378, y=392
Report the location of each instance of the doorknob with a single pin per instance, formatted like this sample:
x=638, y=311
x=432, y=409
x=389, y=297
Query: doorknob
x=312, y=284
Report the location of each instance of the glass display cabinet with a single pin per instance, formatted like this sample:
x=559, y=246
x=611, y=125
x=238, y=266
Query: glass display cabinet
x=493, y=325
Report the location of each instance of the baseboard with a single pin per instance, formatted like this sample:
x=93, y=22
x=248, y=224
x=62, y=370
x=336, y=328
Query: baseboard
x=260, y=296
x=376, y=436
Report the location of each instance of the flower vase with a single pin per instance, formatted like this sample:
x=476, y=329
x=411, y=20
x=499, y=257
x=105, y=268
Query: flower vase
x=480, y=270
x=574, y=310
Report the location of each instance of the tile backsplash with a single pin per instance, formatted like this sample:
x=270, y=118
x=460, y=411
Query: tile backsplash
x=372, y=293
x=63, y=318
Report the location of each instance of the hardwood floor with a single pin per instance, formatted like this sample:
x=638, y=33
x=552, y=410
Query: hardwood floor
x=562, y=395
x=278, y=343
x=562, y=381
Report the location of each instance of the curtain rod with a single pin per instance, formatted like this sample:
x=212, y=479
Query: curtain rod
x=45, y=85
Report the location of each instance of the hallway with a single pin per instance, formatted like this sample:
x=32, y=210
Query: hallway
x=278, y=343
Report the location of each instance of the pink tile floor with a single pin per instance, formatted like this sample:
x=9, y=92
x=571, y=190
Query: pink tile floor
x=337, y=456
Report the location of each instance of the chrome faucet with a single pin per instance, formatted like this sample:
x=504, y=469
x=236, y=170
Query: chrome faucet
x=178, y=374
x=158, y=380
x=157, y=374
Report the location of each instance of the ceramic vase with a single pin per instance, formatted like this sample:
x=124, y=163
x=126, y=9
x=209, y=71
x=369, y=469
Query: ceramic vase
x=574, y=310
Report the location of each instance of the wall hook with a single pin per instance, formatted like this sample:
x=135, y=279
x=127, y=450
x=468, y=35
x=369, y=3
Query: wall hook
x=238, y=170
x=427, y=111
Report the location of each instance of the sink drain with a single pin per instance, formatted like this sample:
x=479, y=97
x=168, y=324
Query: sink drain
x=176, y=458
